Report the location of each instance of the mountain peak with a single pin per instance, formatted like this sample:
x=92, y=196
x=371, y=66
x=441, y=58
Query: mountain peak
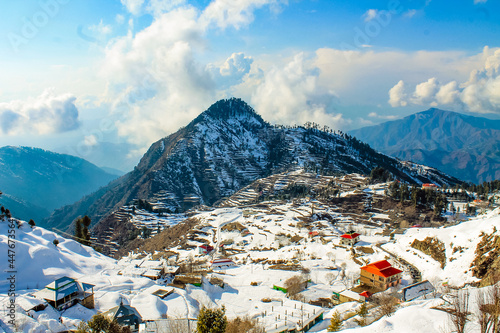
x=225, y=109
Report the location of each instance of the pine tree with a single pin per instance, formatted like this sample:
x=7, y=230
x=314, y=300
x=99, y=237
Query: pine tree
x=212, y=320
x=362, y=311
x=78, y=230
x=335, y=322
x=55, y=242
x=31, y=223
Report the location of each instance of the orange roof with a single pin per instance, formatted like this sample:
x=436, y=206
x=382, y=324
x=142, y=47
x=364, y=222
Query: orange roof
x=381, y=268
x=350, y=236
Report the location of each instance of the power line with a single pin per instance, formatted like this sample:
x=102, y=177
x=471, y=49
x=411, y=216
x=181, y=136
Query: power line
x=78, y=238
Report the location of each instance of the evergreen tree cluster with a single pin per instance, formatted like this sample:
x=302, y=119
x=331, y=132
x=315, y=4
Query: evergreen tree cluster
x=418, y=196
x=82, y=233
x=483, y=189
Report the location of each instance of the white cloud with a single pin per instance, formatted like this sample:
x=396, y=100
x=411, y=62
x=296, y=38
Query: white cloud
x=290, y=94
x=133, y=6
x=90, y=140
x=397, y=95
x=156, y=81
x=232, y=71
x=44, y=114
x=370, y=14
x=379, y=116
x=235, y=13
x=479, y=1
x=410, y=13
x=120, y=19
x=101, y=28
x=480, y=93
x=425, y=91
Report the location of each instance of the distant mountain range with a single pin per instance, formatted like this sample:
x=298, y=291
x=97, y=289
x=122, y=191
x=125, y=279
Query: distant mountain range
x=35, y=181
x=462, y=146
x=226, y=148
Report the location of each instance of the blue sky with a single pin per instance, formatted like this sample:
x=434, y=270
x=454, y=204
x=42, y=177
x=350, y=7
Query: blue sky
x=79, y=75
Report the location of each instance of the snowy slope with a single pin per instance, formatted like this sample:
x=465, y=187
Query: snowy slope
x=39, y=261
x=464, y=236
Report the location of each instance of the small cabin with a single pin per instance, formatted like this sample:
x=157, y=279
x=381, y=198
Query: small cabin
x=349, y=238
x=125, y=315
x=65, y=292
x=205, y=249
x=221, y=263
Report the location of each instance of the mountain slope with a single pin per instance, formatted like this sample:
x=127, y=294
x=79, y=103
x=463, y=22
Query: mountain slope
x=22, y=209
x=46, y=179
x=39, y=261
x=463, y=146
x=226, y=148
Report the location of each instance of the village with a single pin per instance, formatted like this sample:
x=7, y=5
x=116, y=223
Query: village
x=287, y=265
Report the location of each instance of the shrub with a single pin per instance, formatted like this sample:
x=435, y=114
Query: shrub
x=212, y=320
x=245, y=324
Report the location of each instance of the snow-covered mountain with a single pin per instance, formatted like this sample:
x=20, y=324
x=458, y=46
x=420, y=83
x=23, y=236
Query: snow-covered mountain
x=460, y=145
x=224, y=149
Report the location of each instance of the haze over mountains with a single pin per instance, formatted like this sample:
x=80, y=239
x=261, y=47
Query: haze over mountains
x=226, y=148
x=463, y=146
x=35, y=181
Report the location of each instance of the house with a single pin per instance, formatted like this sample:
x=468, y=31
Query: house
x=221, y=263
x=66, y=292
x=125, y=315
x=28, y=303
x=416, y=290
x=380, y=275
x=205, y=249
x=313, y=233
x=349, y=238
x=336, y=290
x=429, y=186
x=350, y=296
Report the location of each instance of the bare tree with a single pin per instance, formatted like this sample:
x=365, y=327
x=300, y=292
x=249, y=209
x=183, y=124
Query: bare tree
x=459, y=313
x=295, y=285
x=387, y=305
x=489, y=309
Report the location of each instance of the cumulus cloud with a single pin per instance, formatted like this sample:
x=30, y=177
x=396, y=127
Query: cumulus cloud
x=45, y=114
x=290, y=94
x=397, y=95
x=232, y=71
x=480, y=93
x=156, y=81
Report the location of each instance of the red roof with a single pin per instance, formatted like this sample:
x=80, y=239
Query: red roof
x=366, y=294
x=350, y=236
x=381, y=268
x=429, y=185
